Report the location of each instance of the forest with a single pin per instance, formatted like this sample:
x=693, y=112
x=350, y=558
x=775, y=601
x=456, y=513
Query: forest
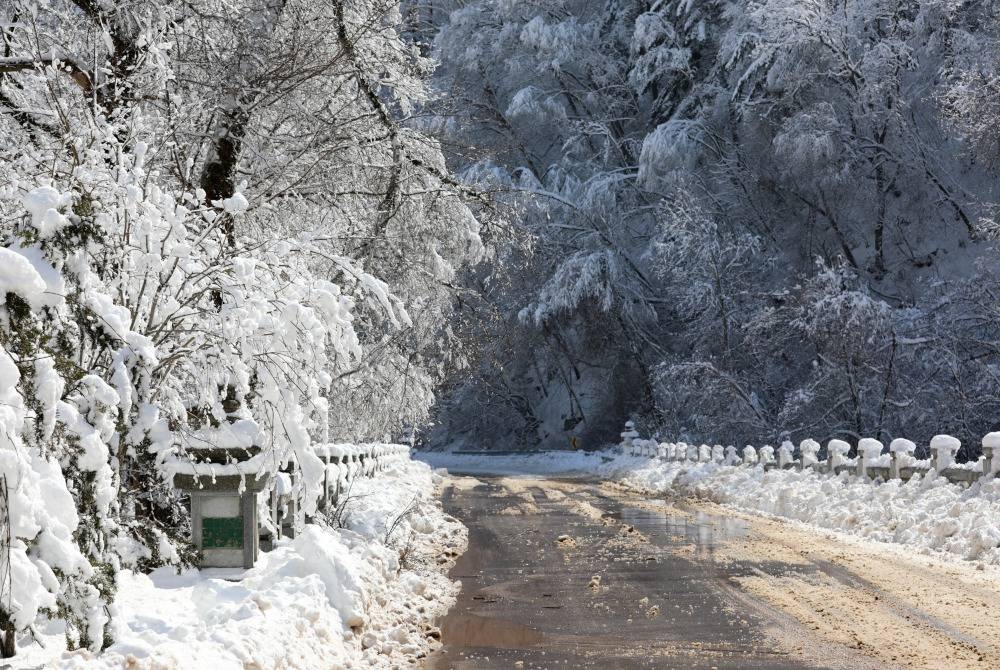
x=730, y=220
x=484, y=223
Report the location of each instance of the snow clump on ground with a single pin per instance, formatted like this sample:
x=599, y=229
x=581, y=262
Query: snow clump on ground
x=363, y=595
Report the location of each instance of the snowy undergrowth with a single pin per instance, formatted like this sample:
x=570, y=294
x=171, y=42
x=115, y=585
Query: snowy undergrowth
x=927, y=513
x=361, y=596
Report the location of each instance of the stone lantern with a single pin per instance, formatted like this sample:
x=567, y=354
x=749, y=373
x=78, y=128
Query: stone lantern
x=223, y=483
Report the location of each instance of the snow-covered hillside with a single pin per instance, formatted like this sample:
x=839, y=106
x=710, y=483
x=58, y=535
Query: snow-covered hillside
x=745, y=219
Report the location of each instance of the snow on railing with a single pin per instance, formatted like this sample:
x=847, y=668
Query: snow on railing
x=342, y=465
x=345, y=462
x=897, y=461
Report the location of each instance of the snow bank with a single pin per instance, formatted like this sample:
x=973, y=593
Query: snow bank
x=359, y=596
x=928, y=512
x=540, y=462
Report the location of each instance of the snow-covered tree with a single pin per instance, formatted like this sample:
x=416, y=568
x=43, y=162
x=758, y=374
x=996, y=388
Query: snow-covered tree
x=214, y=215
x=679, y=168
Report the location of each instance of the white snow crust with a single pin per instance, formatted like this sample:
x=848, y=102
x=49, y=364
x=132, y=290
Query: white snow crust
x=361, y=596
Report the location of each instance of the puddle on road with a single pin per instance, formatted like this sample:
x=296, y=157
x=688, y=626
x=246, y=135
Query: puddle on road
x=716, y=539
x=705, y=531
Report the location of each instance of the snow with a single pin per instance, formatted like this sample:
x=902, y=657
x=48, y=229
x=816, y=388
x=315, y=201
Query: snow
x=926, y=514
x=282, y=484
x=902, y=446
x=19, y=276
x=55, y=285
x=871, y=448
x=43, y=204
x=330, y=598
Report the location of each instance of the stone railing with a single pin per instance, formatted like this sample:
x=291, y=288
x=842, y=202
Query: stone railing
x=342, y=464
x=872, y=460
x=345, y=462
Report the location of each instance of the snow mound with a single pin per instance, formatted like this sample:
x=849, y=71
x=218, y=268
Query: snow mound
x=330, y=598
x=927, y=513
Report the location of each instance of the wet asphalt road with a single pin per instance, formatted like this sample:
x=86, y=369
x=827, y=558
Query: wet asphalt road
x=532, y=600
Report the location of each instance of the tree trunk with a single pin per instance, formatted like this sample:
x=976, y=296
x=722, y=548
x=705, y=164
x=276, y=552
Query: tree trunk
x=218, y=176
x=8, y=637
x=218, y=179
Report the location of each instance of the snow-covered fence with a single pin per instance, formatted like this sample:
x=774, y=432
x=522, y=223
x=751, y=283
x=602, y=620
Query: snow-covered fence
x=872, y=460
x=344, y=462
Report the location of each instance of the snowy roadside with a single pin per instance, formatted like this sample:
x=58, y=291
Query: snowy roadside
x=564, y=463
x=928, y=514
x=361, y=596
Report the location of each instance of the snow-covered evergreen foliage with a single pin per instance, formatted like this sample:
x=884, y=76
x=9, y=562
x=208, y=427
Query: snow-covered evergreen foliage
x=213, y=214
x=747, y=219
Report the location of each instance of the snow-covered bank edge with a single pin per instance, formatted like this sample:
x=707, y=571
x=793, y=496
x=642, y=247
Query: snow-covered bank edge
x=362, y=596
x=560, y=463
x=927, y=514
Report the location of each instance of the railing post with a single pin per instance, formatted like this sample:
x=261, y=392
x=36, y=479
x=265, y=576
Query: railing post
x=901, y=451
x=749, y=455
x=766, y=455
x=809, y=449
x=628, y=436
x=836, y=454
x=868, y=450
x=732, y=456
x=944, y=448
x=718, y=454
x=991, y=454
x=786, y=454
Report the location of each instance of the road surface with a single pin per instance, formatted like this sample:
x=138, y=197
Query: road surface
x=564, y=574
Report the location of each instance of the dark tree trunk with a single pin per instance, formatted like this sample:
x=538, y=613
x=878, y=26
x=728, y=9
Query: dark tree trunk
x=8, y=637
x=218, y=179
